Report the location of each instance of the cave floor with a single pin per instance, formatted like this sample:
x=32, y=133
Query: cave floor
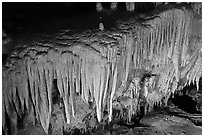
x=165, y=121
x=158, y=123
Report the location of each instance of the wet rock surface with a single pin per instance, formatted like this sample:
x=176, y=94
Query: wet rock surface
x=159, y=124
x=155, y=123
x=32, y=129
x=171, y=125
x=171, y=121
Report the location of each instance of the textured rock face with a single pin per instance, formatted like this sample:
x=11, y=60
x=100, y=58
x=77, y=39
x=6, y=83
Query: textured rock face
x=98, y=71
x=171, y=125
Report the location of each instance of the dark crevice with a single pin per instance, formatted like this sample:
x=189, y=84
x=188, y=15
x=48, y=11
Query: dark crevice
x=4, y=58
x=189, y=99
x=55, y=93
x=185, y=103
x=7, y=130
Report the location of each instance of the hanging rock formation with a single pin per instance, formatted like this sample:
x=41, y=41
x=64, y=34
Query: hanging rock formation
x=141, y=61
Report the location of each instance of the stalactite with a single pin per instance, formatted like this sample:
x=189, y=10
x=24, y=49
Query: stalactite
x=99, y=68
x=37, y=98
x=97, y=98
x=66, y=106
x=64, y=65
x=86, y=78
x=11, y=91
x=90, y=79
x=113, y=92
x=11, y=86
x=77, y=77
x=31, y=81
x=44, y=106
x=20, y=90
x=71, y=83
x=49, y=84
x=106, y=83
x=83, y=77
x=101, y=88
x=59, y=81
x=129, y=54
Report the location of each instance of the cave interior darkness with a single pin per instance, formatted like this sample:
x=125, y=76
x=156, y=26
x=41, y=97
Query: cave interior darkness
x=17, y=15
x=35, y=17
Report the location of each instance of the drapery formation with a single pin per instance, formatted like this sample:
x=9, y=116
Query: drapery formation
x=162, y=47
x=107, y=68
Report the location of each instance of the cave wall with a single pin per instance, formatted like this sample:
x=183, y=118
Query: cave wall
x=105, y=68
